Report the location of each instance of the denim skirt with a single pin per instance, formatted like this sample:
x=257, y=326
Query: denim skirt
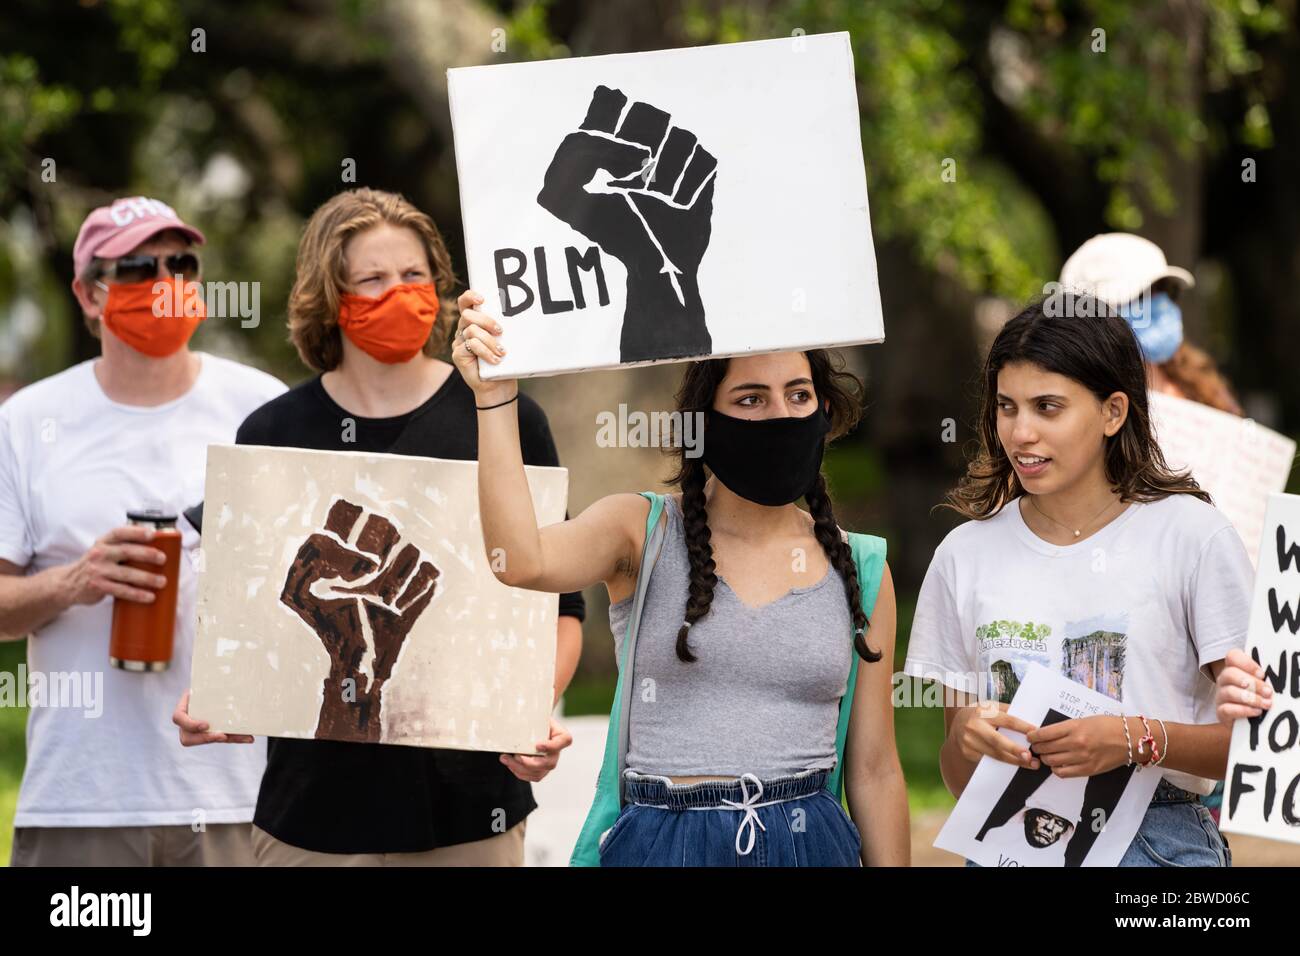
x=778, y=821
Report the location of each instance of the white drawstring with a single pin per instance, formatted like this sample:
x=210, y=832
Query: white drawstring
x=748, y=803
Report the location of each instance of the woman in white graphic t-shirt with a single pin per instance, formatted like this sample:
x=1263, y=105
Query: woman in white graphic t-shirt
x=1088, y=555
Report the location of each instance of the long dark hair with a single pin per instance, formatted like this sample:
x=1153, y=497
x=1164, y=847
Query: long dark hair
x=832, y=384
x=1100, y=352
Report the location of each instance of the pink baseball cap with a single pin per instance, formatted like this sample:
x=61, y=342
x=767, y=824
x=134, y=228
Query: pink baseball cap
x=114, y=230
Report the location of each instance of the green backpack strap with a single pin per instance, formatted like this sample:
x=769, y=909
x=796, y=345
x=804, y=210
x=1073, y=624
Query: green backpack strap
x=869, y=556
x=609, y=785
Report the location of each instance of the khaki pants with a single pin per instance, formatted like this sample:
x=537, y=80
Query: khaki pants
x=220, y=844
x=504, y=849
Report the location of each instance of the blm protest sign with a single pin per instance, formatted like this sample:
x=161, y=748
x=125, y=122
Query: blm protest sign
x=1239, y=462
x=1262, y=792
x=647, y=207
x=348, y=596
x=1013, y=816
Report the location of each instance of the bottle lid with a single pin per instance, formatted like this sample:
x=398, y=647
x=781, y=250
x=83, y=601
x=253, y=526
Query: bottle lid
x=153, y=516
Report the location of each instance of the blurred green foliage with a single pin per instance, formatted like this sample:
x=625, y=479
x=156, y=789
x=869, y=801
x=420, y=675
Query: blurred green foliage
x=239, y=114
x=919, y=75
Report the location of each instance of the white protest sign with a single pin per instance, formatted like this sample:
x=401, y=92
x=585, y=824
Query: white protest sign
x=646, y=207
x=1239, y=462
x=348, y=596
x=1262, y=793
x=1013, y=816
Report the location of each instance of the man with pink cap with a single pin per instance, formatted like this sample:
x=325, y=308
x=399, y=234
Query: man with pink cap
x=106, y=782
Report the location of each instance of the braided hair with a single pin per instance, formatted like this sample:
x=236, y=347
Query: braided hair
x=833, y=385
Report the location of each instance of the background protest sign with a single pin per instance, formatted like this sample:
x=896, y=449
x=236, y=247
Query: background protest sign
x=1239, y=462
x=646, y=207
x=348, y=596
x=1262, y=793
x=1012, y=816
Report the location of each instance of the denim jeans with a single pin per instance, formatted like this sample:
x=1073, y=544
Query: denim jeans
x=789, y=821
x=1177, y=830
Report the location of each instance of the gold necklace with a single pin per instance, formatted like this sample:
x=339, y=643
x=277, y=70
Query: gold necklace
x=1075, y=531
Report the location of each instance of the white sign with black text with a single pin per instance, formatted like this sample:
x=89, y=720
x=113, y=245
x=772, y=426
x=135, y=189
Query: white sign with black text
x=649, y=207
x=1262, y=793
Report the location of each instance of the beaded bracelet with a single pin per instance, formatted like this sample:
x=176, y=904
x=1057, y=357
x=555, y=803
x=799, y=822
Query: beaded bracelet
x=1147, y=738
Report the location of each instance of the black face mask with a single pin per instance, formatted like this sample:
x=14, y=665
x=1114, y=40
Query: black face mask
x=770, y=461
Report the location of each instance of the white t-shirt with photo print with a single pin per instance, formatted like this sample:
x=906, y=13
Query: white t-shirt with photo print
x=1136, y=611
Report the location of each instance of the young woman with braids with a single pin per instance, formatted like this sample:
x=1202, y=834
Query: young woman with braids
x=744, y=650
x=1087, y=555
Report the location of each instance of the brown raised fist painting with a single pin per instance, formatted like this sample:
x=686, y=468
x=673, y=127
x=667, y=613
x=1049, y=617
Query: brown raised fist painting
x=361, y=601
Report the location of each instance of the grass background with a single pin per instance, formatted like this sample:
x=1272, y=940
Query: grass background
x=13, y=722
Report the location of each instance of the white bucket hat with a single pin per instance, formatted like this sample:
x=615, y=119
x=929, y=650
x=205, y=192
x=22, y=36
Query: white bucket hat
x=1117, y=267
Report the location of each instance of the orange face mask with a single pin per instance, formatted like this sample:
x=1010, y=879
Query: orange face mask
x=156, y=317
x=393, y=327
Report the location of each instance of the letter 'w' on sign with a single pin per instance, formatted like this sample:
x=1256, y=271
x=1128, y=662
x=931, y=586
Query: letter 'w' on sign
x=1262, y=790
x=652, y=207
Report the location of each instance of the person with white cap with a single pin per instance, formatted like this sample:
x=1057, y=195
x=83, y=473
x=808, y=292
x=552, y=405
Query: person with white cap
x=1131, y=275
x=106, y=783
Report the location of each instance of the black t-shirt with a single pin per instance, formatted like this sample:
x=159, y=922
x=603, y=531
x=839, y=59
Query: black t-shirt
x=340, y=797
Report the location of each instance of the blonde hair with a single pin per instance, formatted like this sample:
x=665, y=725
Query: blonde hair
x=322, y=277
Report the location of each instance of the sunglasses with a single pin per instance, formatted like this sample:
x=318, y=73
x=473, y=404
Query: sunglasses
x=144, y=268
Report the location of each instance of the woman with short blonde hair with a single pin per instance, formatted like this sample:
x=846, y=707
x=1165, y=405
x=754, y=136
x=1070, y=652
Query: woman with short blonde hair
x=322, y=271
x=367, y=313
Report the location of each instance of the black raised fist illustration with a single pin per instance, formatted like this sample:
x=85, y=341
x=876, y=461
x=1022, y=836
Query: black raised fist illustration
x=330, y=584
x=643, y=191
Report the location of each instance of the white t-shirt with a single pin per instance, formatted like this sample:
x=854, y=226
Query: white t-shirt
x=72, y=463
x=1136, y=611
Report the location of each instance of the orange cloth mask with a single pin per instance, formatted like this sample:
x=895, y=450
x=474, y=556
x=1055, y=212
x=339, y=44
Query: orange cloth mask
x=155, y=317
x=393, y=327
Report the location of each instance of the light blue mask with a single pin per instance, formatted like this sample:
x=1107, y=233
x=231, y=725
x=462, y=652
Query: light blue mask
x=1158, y=326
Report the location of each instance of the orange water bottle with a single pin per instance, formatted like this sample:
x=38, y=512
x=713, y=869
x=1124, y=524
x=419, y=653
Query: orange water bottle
x=143, y=632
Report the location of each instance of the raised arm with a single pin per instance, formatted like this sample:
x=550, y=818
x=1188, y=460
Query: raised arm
x=603, y=543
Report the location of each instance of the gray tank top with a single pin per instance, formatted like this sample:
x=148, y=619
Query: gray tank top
x=763, y=695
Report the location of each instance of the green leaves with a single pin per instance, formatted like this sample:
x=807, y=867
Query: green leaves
x=1110, y=91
